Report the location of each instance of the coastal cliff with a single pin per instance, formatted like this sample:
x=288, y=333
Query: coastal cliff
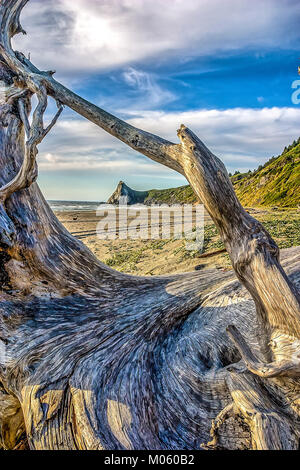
x=170, y=196
x=125, y=194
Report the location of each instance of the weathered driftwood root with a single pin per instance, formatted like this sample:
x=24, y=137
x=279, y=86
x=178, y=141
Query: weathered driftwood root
x=255, y=408
x=286, y=352
x=95, y=359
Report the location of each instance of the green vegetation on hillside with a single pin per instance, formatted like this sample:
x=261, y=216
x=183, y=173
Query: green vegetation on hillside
x=276, y=183
x=181, y=195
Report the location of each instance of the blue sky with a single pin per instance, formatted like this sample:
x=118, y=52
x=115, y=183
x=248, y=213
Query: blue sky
x=222, y=67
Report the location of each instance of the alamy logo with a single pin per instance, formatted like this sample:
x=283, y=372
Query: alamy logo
x=2, y=353
x=296, y=93
x=152, y=223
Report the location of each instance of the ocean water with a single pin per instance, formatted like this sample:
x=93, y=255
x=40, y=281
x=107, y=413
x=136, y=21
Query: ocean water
x=64, y=206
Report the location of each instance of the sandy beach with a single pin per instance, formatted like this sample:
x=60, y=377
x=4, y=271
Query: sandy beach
x=143, y=257
x=163, y=256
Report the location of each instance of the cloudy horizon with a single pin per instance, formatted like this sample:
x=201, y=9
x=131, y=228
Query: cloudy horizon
x=224, y=69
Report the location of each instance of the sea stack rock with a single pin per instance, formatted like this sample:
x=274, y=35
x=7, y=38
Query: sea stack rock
x=126, y=195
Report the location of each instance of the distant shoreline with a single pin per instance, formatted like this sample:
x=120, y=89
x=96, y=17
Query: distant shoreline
x=71, y=206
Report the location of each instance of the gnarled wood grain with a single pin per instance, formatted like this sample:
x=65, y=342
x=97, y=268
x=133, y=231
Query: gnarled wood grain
x=95, y=359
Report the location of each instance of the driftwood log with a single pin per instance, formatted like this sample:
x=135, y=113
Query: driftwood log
x=95, y=359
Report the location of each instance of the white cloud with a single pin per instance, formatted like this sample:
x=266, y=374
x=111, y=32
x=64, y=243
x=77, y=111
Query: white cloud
x=77, y=145
x=242, y=138
x=81, y=37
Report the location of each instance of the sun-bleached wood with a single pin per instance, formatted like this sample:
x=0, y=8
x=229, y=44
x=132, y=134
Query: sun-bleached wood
x=95, y=359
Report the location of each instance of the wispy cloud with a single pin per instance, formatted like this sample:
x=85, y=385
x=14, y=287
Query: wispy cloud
x=147, y=91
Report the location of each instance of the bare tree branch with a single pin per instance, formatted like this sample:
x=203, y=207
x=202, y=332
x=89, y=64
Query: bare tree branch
x=54, y=120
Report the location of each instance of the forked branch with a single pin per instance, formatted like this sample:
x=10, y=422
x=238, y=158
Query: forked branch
x=35, y=133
